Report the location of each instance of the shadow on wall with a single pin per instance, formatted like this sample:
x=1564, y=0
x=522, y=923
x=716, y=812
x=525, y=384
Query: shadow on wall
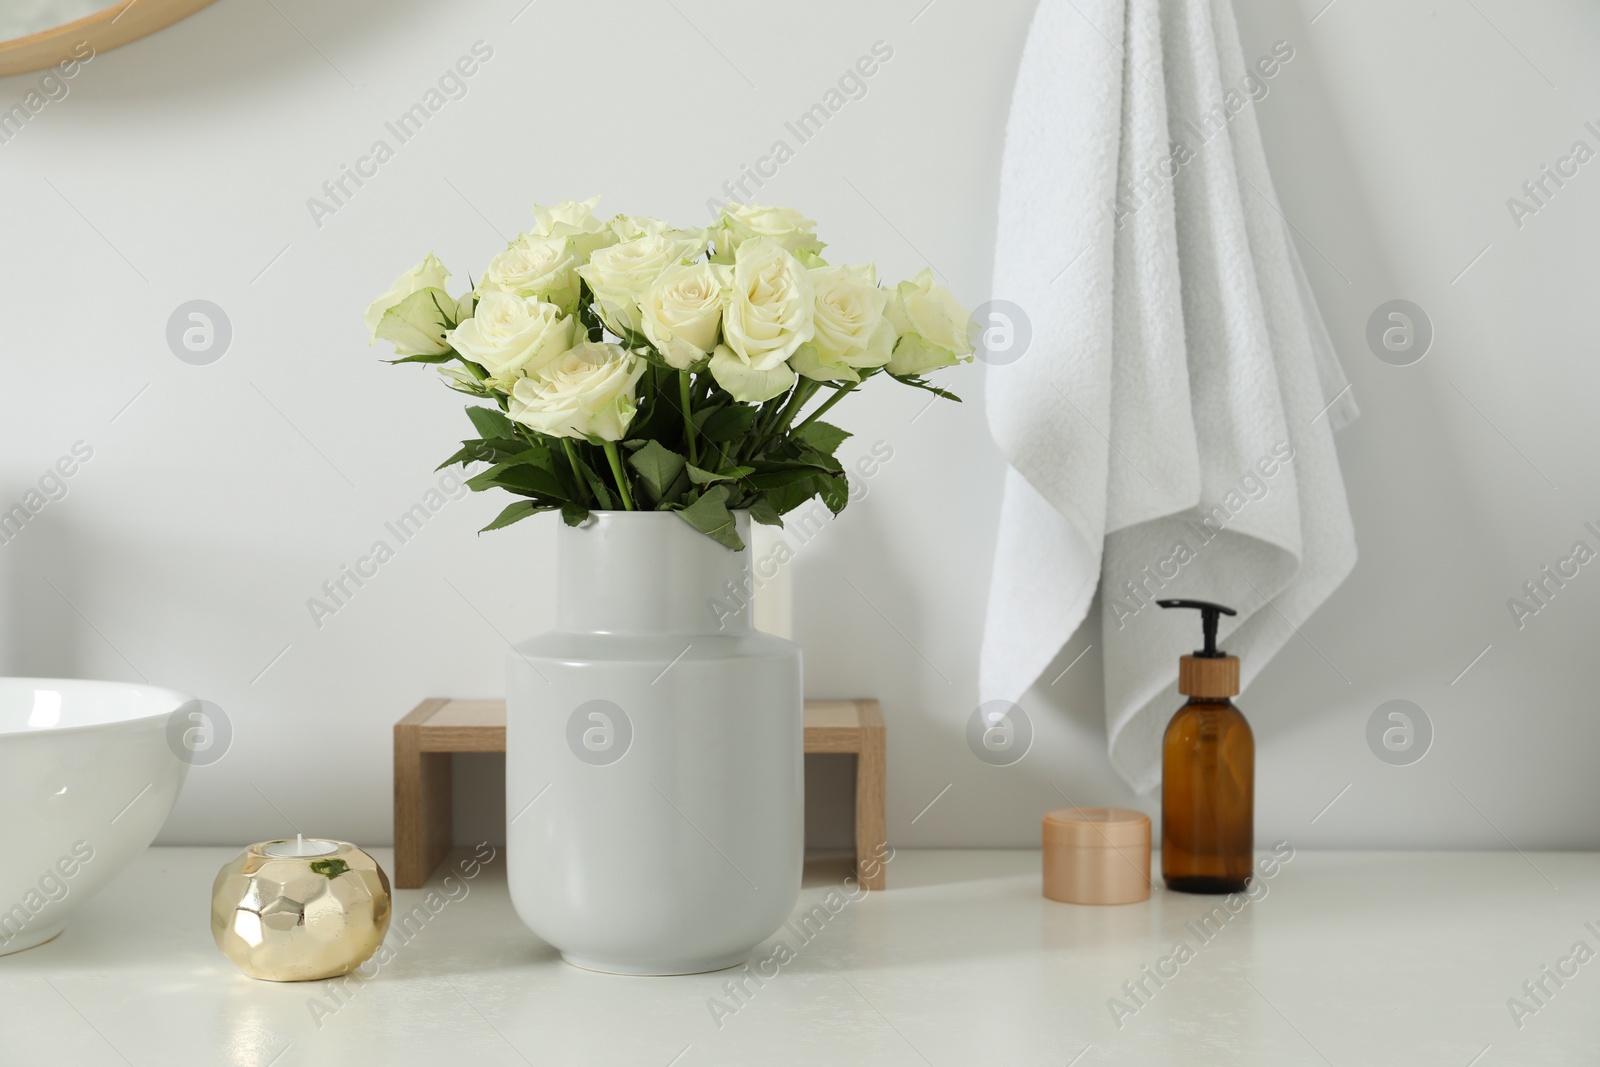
x=41, y=635
x=1321, y=190
x=862, y=614
x=235, y=48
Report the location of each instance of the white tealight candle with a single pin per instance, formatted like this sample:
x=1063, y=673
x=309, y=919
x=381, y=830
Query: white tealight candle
x=300, y=848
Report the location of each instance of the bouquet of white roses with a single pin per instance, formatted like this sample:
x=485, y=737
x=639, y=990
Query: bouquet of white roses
x=719, y=338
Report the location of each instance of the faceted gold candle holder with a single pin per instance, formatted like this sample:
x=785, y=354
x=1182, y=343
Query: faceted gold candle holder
x=296, y=911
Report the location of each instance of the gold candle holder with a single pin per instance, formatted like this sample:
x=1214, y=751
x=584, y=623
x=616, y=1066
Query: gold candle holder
x=296, y=911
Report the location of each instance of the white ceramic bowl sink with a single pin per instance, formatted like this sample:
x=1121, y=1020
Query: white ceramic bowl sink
x=87, y=777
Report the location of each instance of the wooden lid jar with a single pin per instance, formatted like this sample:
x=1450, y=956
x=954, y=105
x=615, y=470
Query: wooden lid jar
x=1096, y=855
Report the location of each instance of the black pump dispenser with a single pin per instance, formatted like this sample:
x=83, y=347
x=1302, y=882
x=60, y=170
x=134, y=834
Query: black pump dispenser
x=1208, y=622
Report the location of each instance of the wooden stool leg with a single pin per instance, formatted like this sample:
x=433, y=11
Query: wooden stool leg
x=871, y=787
x=421, y=801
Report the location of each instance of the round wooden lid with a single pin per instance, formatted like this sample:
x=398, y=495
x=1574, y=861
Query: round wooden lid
x=1097, y=827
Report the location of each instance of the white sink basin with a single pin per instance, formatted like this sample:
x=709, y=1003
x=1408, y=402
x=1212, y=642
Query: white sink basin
x=87, y=777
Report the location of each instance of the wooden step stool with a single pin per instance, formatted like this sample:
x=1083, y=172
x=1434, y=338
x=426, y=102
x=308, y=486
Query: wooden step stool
x=425, y=739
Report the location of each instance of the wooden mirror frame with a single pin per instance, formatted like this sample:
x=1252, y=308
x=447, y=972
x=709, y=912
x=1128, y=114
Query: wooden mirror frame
x=103, y=30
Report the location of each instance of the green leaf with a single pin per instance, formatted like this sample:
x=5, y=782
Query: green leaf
x=923, y=384
x=730, y=474
x=835, y=492
x=519, y=477
x=522, y=453
x=573, y=514
x=817, y=459
x=463, y=456
x=433, y=357
x=762, y=511
x=772, y=466
x=779, y=479
x=822, y=436
x=775, y=474
x=514, y=512
x=768, y=466
x=786, y=498
x=491, y=423
x=725, y=424
x=710, y=515
x=638, y=342
x=597, y=485
x=495, y=450
x=477, y=389
x=658, y=467
x=507, y=450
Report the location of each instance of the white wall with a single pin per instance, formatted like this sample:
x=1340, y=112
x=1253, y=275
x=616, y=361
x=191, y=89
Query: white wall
x=219, y=501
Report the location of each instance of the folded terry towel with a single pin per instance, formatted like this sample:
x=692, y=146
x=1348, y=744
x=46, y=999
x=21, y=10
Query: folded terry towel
x=1170, y=430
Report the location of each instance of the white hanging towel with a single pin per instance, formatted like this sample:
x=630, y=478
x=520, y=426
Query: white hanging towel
x=1169, y=432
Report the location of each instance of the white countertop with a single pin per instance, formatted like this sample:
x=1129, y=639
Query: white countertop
x=1357, y=959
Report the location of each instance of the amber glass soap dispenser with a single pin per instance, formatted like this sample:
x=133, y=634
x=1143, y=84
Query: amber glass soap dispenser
x=1208, y=771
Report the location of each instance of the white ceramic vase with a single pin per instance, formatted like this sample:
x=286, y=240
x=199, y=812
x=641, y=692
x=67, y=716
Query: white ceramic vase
x=654, y=748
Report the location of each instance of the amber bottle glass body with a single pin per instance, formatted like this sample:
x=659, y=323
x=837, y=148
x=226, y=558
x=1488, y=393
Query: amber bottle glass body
x=1208, y=765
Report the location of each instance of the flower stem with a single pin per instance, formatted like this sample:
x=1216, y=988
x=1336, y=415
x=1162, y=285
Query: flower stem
x=577, y=471
x=688, y=423
x=774, y=417
x=837, y=396
x=803, y=392
x=616, y=472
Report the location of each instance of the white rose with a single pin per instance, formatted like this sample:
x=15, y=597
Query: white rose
x=737, y=223
x=565, y=218
x=574, y=219
x=932, y=327
x=511, y=336
x=544, y=268
x=620, y=274
x=682, y=311
x=586, y=391
x=851, y=333
x=414, y=314
x=769, y=306
x=633, y=227
x=768, y=316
